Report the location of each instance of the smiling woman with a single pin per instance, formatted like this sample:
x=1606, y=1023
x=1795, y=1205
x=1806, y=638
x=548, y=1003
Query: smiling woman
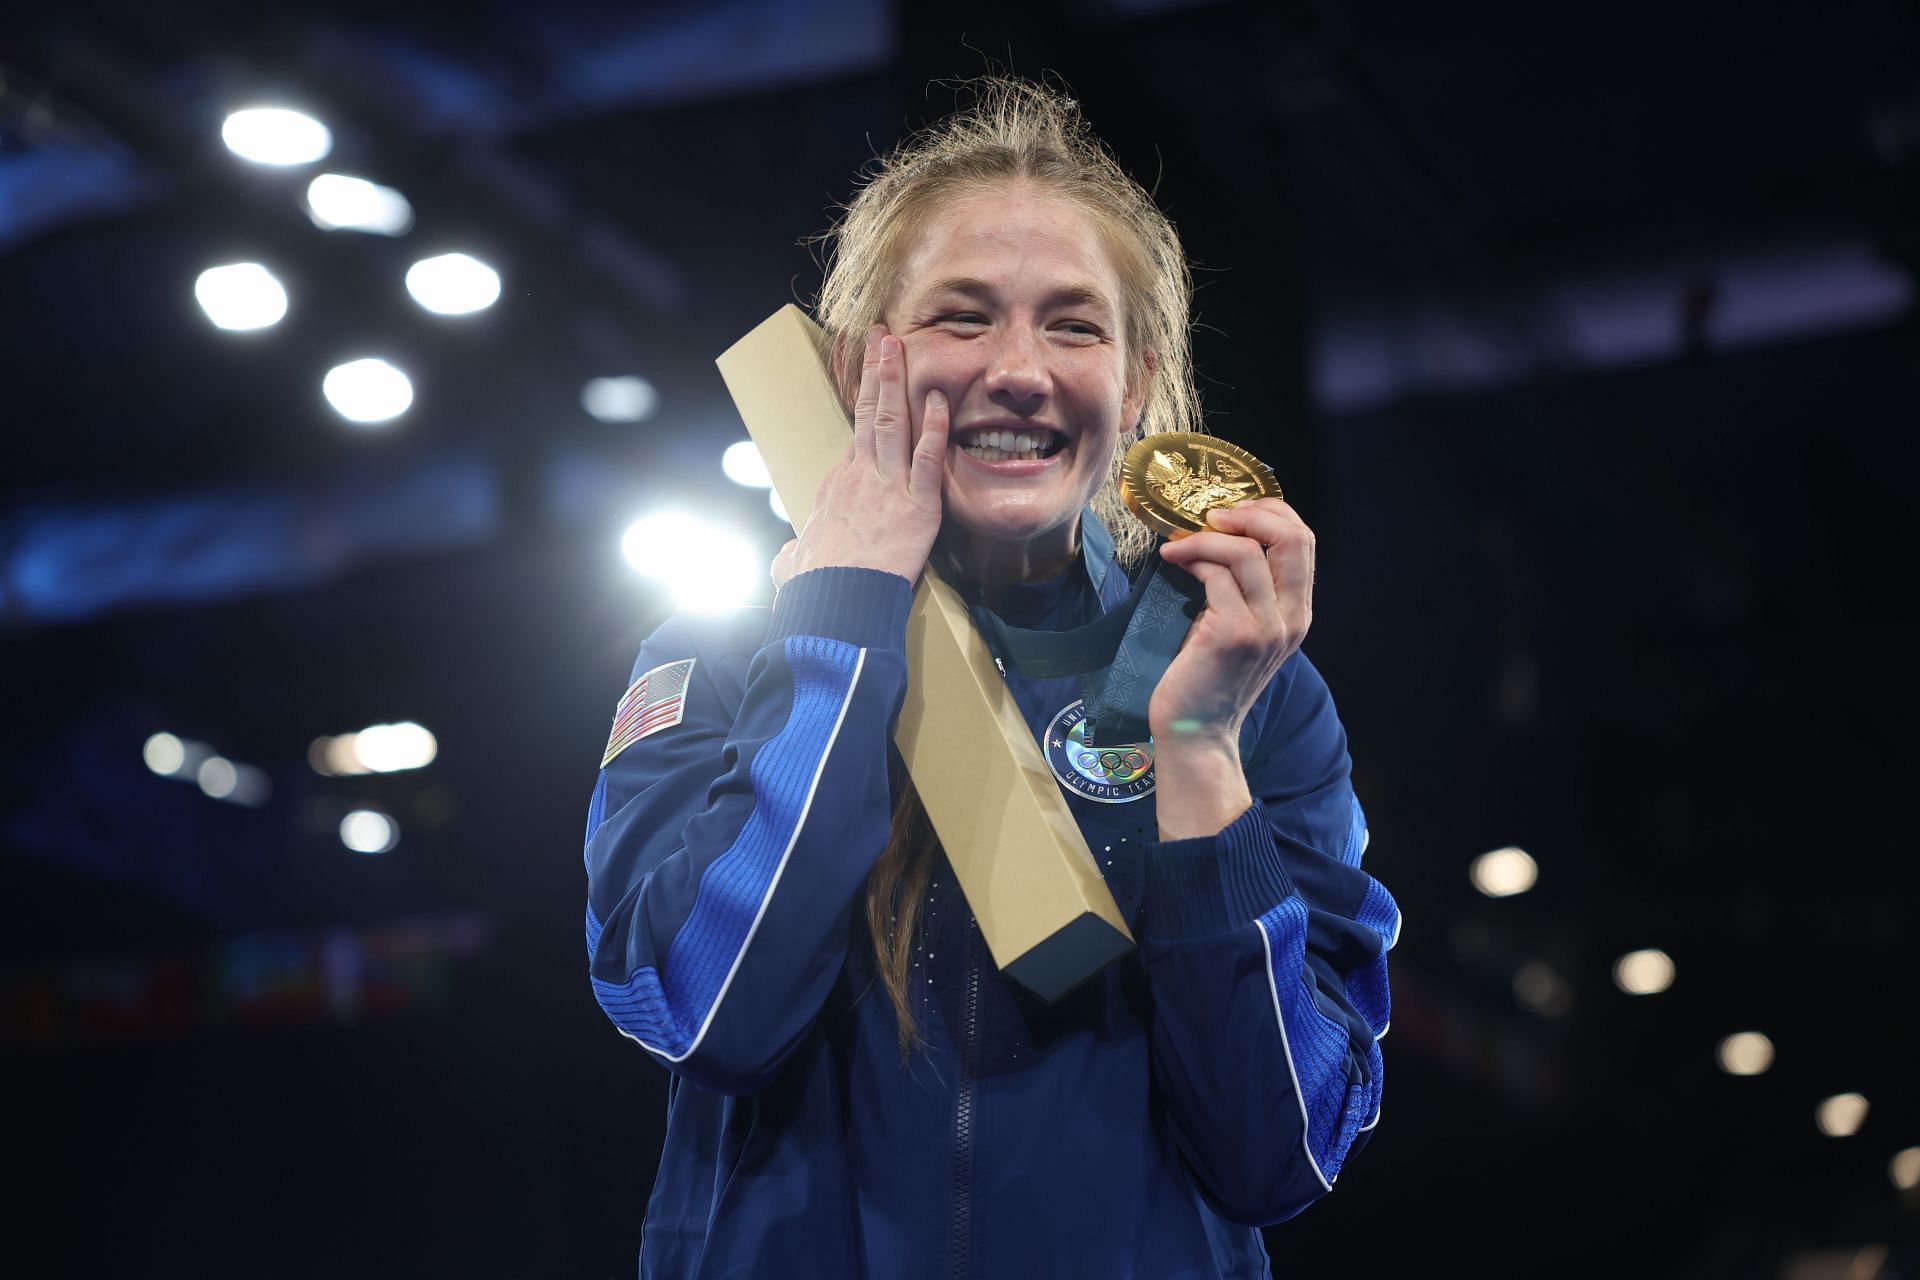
x=1005, y=311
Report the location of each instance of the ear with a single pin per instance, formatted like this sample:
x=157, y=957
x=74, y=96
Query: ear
x=1134, y=403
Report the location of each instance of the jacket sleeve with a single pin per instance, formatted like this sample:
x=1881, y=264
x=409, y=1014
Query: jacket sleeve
x=1265, y=949
x=725, y=847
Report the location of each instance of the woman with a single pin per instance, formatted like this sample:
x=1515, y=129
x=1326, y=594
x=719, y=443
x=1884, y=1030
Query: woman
x=857, y=1091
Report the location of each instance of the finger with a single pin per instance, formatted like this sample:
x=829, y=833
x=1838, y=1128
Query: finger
x=930, y=455
x=1225, y=599
x=1266, y=520
x=869, y=394
x=1240, y=555
x=892, y=423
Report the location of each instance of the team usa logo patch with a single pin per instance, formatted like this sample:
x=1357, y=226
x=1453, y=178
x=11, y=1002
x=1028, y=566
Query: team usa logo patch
x=1111, y=775
x=656, y=701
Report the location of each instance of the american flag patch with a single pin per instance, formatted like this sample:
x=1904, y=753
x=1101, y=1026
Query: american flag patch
x=656, y=701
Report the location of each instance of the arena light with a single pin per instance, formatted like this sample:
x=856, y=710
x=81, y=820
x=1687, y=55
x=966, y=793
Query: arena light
x=276, y=136
x=337, y=202
x=701, y=567
x=1841, y=1115
x=453, y=284
x=368, y=391
x=778, y=507
x=164, y=754
x=1504, y=872
x=241, y=296
x=369, y=831
x=1745, y=1053
x=217, y=777
x=744, y=466
x=1904, y=1169
x=1643, y=973
x=380, y=748
x=391, y=748
x=625, y=399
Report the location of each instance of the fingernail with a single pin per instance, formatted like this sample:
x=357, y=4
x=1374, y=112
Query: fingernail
x=936, y=399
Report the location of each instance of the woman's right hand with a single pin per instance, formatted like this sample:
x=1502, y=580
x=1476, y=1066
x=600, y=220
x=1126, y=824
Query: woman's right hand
x=880, y=507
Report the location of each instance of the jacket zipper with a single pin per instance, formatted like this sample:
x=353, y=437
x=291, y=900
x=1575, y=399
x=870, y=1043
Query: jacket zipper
x=963, y=1119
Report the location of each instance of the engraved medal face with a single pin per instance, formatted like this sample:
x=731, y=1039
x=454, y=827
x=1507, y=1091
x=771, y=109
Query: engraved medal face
x=1111, y=775
x=1173, y=479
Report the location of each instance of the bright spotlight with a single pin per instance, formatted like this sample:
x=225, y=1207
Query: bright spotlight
x=778, y=507
x=1745, y=1053
x=743, y=465
x=275, y=135
x=1904, y=1169
x=367, y=390
x=701, y=567
x=241, y=296
x=390, y=748
x=1643, y=973
x=218, y=777
x=1841, y=1115
x=1504, y=872
x=453, y=284
x=336, y=202
x=619, y=399
x=164, y=754
x=369, y=831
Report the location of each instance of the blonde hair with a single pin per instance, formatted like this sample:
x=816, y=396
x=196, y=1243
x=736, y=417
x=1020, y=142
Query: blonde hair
x=1011, y=131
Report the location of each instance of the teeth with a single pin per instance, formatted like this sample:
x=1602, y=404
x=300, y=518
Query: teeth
x=999, y=443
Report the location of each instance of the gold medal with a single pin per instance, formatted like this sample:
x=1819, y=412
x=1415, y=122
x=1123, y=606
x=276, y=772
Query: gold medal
x=1173, y=479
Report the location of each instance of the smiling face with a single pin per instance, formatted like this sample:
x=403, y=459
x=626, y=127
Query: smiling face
x=1011, y=306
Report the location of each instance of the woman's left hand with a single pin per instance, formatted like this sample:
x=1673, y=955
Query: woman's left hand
x=1256, y=563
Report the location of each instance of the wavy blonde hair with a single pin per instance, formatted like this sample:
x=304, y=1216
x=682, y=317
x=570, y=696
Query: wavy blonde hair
x=1009, y=130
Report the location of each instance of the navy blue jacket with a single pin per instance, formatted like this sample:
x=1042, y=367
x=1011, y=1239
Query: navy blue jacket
x=1212, y=1081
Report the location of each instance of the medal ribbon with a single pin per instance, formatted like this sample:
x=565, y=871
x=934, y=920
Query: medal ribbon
x=1119, y=656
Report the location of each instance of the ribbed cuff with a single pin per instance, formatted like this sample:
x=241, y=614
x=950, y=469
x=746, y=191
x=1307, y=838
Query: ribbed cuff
x=862, y=607
x=1211, y=884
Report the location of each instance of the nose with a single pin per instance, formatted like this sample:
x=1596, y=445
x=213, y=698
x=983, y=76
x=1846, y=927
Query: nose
x=1017, y=375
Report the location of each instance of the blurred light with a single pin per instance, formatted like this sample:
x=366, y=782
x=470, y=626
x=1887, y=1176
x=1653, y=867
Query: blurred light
x=368, y=831
x=336, y=202
x=164, y=754
x=1504, y=872
x=1745, y=1053
x=241, y=296
x=1840, y=1115
x=341, y=756
x=275, y=135
x=368, y=390
x=1643, y=973
x=1537, y=987
x=701, y=567
x=389, y=748
x=1904, y=1169
x=453, y=284
x=218, y=777
x=778, y=507
x=743, y=465
x=251, y=786
x=619, y=399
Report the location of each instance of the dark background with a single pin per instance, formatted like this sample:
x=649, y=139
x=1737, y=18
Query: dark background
x=1584, y=336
